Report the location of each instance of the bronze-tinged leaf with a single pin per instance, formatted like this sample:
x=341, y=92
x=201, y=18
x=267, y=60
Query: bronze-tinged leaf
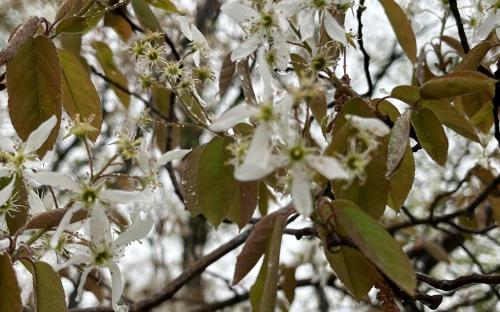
x=209, y=186
x=10, y=293
x=256, y=243
x=456, y=84
x=69, y=8
x=402, y=28
x=49, y=293
x=473, y=59
x=119, y=25
x=166, y=5
x=263, y=292
x=79, y=94
x=454, y=44
x=430, y=134
x=435, y=250
x=243, y=71
x=71, y=43
x=289, y=282
x=52, y=218
x=73, y=24
x=452, y=119
x=398, y=141
x=104, y=55
x=370, y=194
x=353, y=269
x=194, y=109
x=18, y=219
x=145, y=16
x=317, y=104
x=408, y=94
x=376, y=244
x=401, y=181
x=226, y=74
x=34, y=88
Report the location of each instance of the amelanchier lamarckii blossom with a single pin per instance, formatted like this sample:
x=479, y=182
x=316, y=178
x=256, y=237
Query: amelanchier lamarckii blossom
x=307, y=10
x=199, y=45
x=104, y=252
x=21, y=158
x=491, y=22
x=264, y=25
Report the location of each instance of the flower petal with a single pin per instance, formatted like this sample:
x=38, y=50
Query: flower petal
x=265, y=72
x=6, y=192
x=306, y=24
x=301, y=192
x=240, y=13
x=185, y=26
x=328, y=167
x=282, y=50
x=170, y=156
x=4, y=171
x=246, y=48
x=288, y=8
x=35, y=202
x=39, y=136
x=116, y=283
x=138, y=230
x=259, y=161
x=486, y=26
x=333, y=29
x=56, y=179
x=232, y=116
x=83, y=279
x=123, y=197
x=6, y=144
x=100, y=232
x=65, y=221
x=373, y=125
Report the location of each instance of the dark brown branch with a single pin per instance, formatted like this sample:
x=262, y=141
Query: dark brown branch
x=453, y=284
x=460, y=26
x=366, y=56
x=171, y=288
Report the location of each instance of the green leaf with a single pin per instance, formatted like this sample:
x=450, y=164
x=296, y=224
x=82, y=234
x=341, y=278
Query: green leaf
x=256, y=243
x=407, y=94
x=145, y=16
x=456, y=84
x=401, y=181
x=104, y=55
x=119, y=24
x=194, y=109
x=166, y=5
x=210, y=188
x=10, y=293
x=371, y=194
x=263, y=292
x=431, y=135
x=18, y=219
x=376, y=244
x=72, y=43
x=69, y=8
x=353, y=269
x=49, y=292
x=74, y=24
x=79, y=93
x=402, y=28
x=398, y=141
x=34, y=88
x=452, y=119
x=473, y=59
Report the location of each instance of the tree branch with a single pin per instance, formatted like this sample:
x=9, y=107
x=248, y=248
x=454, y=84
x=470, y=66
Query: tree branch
x=453, y=284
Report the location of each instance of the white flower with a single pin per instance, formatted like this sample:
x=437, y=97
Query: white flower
x=373, y=126
x=105, y=252
x=263, y=26
x=199, y=44
x=21, y=157
x=86, y=196
x=300, y=161
x=490, y=23
x=306, y=12
x=151, y=168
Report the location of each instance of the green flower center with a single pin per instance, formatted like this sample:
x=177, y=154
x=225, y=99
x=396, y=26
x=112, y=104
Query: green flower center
x=102, y=257
x=89, y=196
x=266, y=112
x=296, y=153
x=320, y=4
x=319, y=63
x=266, y=20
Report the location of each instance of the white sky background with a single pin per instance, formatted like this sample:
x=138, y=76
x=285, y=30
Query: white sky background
x=379, y=39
